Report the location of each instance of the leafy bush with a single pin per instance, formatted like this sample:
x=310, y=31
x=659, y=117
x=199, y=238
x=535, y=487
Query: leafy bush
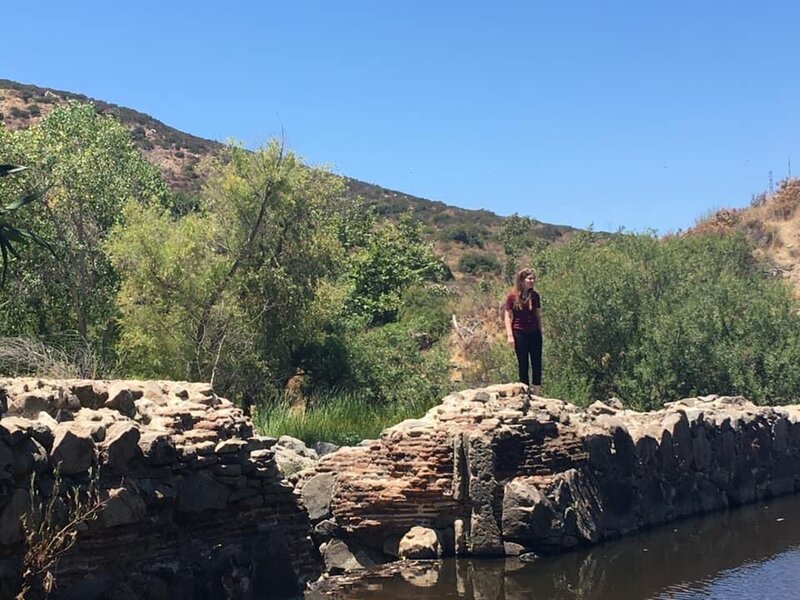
x=235, y=281
x=394, y=259
x=387, y=360
x=402, y=361
x=516, y=235
x=651, y=321
x=476, y=263
x=425, y=309
x=138, y=133
x=465, y=234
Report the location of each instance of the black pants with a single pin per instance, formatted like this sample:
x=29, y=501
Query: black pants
x=528, y=344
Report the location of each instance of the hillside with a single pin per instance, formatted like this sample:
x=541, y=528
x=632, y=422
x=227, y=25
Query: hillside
x=180, y=156
x=771, y=222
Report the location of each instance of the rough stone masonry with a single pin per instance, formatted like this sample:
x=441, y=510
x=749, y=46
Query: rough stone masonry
x=193, y=505
x=495, y=472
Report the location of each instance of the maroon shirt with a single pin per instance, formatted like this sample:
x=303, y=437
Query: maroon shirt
x=524, y=319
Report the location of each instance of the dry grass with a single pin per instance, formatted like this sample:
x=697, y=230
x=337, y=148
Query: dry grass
x=25, y=356
x=51, y=528
x=771, y=222
x=478, y=352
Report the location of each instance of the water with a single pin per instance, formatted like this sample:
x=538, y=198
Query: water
x=751, y=552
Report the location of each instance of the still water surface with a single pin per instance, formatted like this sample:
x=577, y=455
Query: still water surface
x=751, y=552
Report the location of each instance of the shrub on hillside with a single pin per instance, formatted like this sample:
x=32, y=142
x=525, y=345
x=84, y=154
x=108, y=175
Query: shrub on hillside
x=394, y=259
x=652, y=320
x=465, y=234
x=476, y=263
x=400, y=361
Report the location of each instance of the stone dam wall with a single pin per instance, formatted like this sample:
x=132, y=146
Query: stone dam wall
x=194, y=505
x=494, y=472
x=192, y=502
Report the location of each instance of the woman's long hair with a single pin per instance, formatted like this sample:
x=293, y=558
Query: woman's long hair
x=521, y=296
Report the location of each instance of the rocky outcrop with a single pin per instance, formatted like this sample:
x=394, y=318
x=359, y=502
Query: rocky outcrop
x=192, y=502
x=495, y=472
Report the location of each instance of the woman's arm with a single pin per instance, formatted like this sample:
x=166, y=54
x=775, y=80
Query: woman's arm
x=509, y=330
x=538, y=312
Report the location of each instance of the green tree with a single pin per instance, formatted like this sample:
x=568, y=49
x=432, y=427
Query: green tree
x=394, y=259
x=88, y=168
x=238, y=282
x=517, y=235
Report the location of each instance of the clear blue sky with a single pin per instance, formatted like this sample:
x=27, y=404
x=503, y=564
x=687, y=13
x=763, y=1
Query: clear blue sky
x=635, y=114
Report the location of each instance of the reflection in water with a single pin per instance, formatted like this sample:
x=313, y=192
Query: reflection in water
x=746, y=553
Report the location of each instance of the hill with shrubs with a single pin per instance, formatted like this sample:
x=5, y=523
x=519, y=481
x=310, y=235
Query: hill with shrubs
x=771, y=223
x=330, y=314
x=183, y=158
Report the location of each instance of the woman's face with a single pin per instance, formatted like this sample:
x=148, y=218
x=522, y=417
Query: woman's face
x=529, y=281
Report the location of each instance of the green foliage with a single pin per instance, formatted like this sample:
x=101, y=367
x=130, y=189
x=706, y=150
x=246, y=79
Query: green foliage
x=343, y=418
x=88, y=168
x=394, y=259
x=11, y=235
x=168, y=269
x=273, y=273
x=518, y=234
x=184, y=203
x=476, y=263
x=651, y=321
x=425, y=308
x=388, y=361
x=397, y=362
x=237, y=280
x=469, y=235
x=19, y=113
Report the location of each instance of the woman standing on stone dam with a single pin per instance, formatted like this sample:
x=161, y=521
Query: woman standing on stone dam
x=523, y=321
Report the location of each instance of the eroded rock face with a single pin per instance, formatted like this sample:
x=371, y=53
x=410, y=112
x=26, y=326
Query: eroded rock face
x=194, y=505
x=494, y=472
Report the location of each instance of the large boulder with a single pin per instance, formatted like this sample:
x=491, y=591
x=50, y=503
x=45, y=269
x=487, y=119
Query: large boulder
x=341, y=557
x=293, y=456
x=528, y=515
x=121, y=445
x=73, y=449
x=316, y=493
x=122, y=506
x=418, y=543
